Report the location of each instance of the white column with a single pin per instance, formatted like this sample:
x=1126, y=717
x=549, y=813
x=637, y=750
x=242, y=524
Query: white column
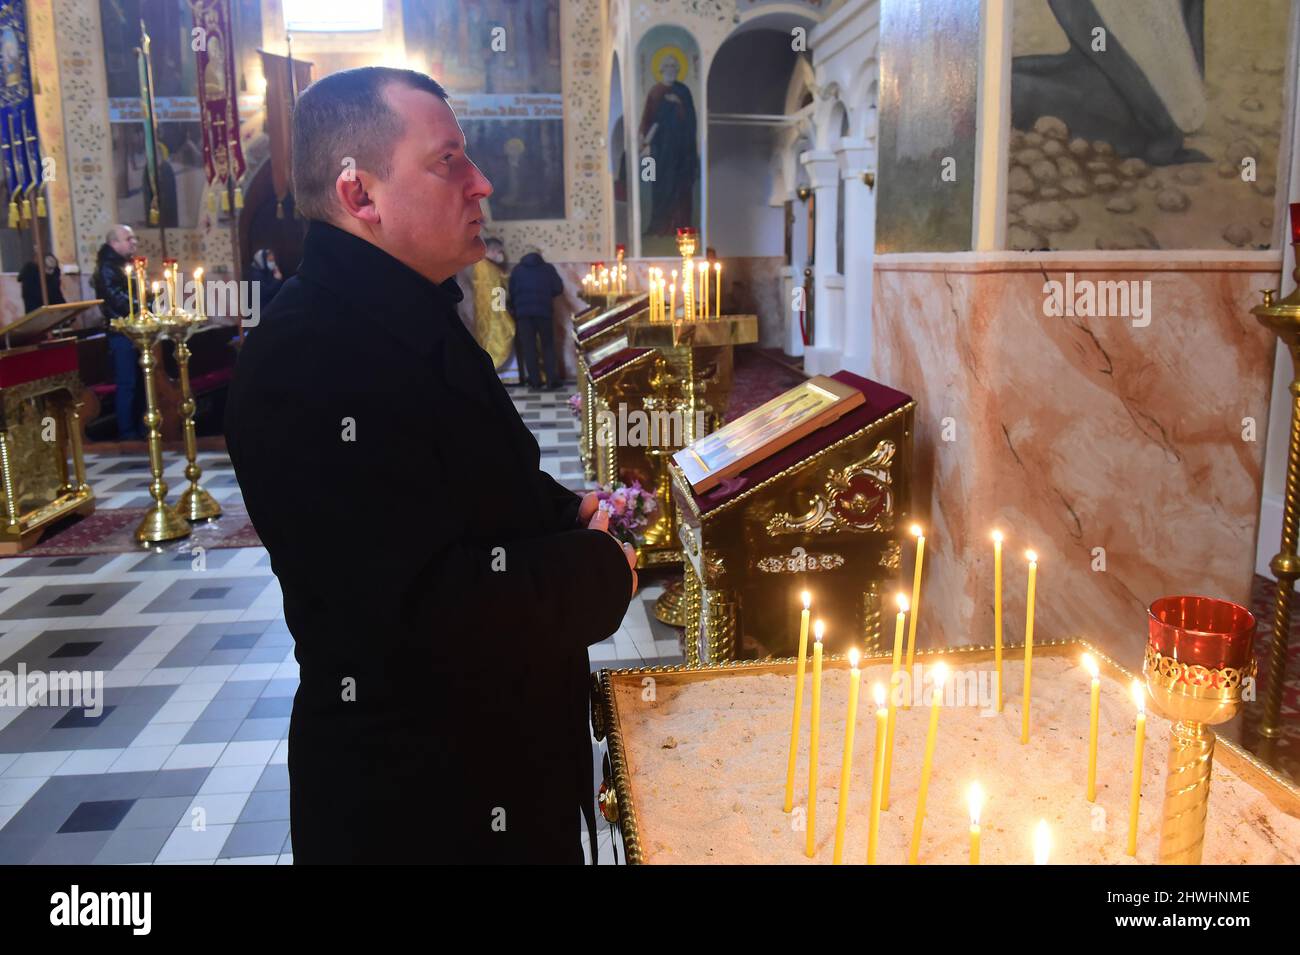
x=823, y=356
x=857, y=158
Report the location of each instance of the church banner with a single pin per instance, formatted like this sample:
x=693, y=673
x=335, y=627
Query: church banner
x=18, y=136
x=282, y=89
x=223, y=155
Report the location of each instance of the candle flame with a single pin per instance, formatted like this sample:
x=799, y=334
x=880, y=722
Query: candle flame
x=717, y=266
x=854, y=656
x=1042, y=843
x=1031, y=556
x=997, y=537
x=975, y=801
x=1138, y=692
x=916, y=530
x=903, y=604
x=878, y=691
x=1090, y=665
x=818, y=629
x=938, y=674
x=130, y=269
x=807, y=600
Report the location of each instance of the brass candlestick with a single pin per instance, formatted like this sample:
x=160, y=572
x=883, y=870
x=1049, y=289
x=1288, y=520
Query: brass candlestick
x=195, y=504
x=1283, y=317
x=1199, y=650
x=160, y=522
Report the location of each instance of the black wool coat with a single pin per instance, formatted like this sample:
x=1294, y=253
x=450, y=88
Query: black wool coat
x=439, y=591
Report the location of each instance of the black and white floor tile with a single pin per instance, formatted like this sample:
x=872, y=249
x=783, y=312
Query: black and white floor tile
x=185, y=763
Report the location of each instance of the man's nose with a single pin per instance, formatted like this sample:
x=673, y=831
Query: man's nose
x=480, y=187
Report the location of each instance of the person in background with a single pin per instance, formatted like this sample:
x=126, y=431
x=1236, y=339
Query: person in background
x=267, y=274
x=534, y=286
x=29, y=277
x=109, y=282
x=493, y=328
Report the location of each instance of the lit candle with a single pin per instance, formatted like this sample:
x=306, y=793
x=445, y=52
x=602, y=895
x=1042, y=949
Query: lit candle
x=940, y=673
x=130, y=295
x=1042, y=843
x=141, y=265
x=717, y=290
x=704, y=289
x=997, y=611
x=846, y=766
x=672, y=291
x=198, y=293
x=893, y=691
x=798, y=702
x=975, y=800
x=814, y=733
x=916, y=603
x=1135, y=796
x=1094, y=718
x=878, y=775
x=1029, y=643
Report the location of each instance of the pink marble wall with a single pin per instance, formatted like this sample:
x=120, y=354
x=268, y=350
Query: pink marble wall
x=1073, y=433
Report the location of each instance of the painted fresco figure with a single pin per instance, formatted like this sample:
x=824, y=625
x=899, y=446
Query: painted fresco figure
x=1142, y=94
x=668, y=135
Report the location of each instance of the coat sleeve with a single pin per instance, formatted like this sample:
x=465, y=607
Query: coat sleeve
x=428, y=572
x=564, y=502
x=112, y=291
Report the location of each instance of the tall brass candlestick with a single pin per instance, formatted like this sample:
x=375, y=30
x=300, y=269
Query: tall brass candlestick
x=160, y=522
x=195, y=504
x=1283, y=317
x=1199, y=650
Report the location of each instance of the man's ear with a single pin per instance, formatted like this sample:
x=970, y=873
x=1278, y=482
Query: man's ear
x=352, y=190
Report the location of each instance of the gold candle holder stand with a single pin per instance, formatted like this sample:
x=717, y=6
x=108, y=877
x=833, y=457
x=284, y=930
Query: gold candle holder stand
x=1199, y=651
x=161, y=522
x=1283, y=318
x=195, y=503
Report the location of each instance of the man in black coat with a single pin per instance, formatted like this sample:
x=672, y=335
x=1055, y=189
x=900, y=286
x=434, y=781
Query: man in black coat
x=109, y=283
x=533, y=287
x=441, y=589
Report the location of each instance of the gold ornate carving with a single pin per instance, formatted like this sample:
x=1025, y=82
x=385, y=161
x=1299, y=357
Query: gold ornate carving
x=693, y=615
x=719, y=624
x=1203, y=682
x=857, y=499
x=892, y=558
x=800, y=561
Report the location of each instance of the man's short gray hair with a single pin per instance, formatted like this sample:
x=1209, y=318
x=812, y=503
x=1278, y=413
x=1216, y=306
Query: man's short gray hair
x=346, y=116
x=115, y=231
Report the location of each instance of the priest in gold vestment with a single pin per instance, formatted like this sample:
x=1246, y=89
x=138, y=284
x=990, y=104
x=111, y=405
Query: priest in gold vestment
x=494, y=329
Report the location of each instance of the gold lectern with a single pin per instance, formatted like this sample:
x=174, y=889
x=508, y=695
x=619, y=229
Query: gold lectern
x=826, y=513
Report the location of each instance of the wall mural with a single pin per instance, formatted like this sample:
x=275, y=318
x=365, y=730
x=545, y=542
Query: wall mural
x=509, y=101
x=1150, y=125
x=668, y=133
x=929, y=70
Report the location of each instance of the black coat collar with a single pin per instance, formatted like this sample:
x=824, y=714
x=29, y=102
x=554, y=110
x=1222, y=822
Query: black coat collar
x=378, y=286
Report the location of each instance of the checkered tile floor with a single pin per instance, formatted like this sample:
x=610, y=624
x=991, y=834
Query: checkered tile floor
x=186, y=763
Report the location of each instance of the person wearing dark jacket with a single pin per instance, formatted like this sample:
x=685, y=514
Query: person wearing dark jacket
x=109, y=283
x=442, y=590
x=530, y=298
x=29, y=277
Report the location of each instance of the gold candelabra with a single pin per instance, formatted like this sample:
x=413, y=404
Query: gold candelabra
x=1199, y=651
x=195, y=503
x=145, y=328
x=1283, y=318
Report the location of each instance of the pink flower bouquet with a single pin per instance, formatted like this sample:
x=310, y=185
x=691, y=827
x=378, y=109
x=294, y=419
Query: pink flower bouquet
x=629, y=507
